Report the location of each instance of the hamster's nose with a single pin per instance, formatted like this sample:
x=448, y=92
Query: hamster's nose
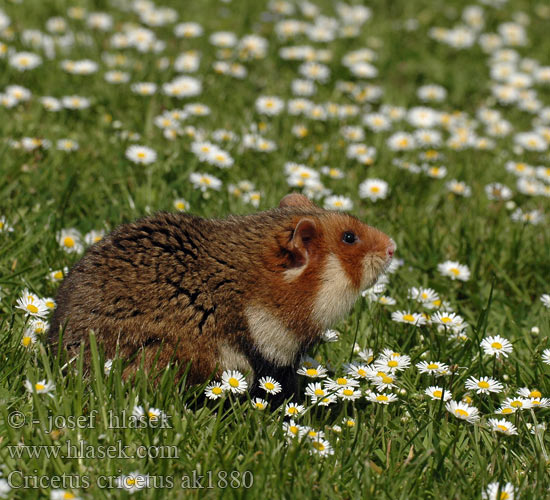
x=391, y=249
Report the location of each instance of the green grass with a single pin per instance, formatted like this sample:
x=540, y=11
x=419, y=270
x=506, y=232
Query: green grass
x=413, y=448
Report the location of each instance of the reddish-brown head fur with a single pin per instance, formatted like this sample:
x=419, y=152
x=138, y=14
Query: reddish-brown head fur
x=319, y=263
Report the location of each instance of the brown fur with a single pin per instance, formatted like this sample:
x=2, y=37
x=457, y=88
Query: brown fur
x=175, y=287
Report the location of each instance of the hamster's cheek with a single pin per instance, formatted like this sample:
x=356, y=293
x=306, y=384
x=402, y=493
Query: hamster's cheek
x=336, y=295
x=373, y=267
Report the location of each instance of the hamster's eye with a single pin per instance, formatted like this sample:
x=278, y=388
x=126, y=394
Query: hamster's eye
x=349, y=237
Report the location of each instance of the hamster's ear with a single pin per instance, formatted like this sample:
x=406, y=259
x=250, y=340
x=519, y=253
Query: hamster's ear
x=303, y=237
x=296, y=200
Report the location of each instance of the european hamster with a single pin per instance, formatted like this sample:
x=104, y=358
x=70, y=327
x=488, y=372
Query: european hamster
x=249, y=293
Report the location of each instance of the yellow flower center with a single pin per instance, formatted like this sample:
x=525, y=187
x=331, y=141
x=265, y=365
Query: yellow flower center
x=381, y=397
x=483, y=385
x=217, y=391
x=39, y=387
x=503, y=428
x=141, y=154
x=32, y=308
x=68, y=496
x=311, y=372
x=375, y=189
x=496, y=345
x=130, y=481
x=437, y=394
x=233, y=382
x=387, y=379
x=260, y=406
x=535, y=394
x=293, y=429
x=433, y=366
x=269, y=386
x=403, y=142
x=26, y=341
x=350, y=423
x=292, y=410
x=152, y=416
x=516, y=404
x=361, y=372
x=341, y=381
x=348, y=392
x=504, y=496
x=68, y=242
x=446, y=319
x=461, y=412
x=319, y=392
x=455, y=271
x=50, y=304
x=408, y=317
x=392, y=363
x=506, y=411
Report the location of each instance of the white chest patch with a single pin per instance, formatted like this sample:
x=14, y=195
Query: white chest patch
x=231, y=359
x=271, y=338
x=336, y=295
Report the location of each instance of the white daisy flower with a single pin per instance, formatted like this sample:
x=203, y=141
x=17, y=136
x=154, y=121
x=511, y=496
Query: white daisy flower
x=454, y=270
x=292, y=429
x=205, y=181
x=373, y=189
x=340, y=383
x=484, y=385
x=259, y=404
x=24, y=61
x=94, y=236
x=214, y=390
x=401, y=141
x=432, y=367
x=293, y=409
x=463, y=411
x=270, y=385
x=41, y=387
x=141, y=154
x=133, y=482
x=315, y=391
x=496, y=346
x=32, y=304
x=29, y=338
x=70, y=240
x=318, y=371
x=321, y=447
x=438, y=393
x=269, y=105
x=447, y=319
x=233, y=381
x=107, y=367
x=381, y=398
x=336, y=202
x=517, y=404
x=495, y=491
x=411, y=318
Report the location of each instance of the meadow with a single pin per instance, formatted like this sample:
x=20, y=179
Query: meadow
x=428, y=119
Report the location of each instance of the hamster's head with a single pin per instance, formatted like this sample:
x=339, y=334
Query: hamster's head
x=334, y=255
